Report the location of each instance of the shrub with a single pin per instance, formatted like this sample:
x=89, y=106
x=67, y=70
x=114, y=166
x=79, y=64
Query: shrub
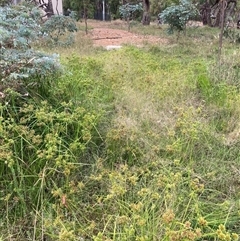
x=128, y=11
x=57, y=26
x=21, y=66
x=232, y=34
x=177, y=16
x=42, y=150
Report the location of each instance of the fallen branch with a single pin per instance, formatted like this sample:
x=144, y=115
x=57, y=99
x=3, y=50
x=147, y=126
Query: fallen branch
x=106, y=38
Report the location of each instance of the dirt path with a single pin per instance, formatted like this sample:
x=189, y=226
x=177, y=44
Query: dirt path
x=106, y=34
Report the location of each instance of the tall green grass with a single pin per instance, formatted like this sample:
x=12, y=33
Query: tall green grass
x=134, y=144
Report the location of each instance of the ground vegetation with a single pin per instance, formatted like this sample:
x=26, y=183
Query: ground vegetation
x=135, y=144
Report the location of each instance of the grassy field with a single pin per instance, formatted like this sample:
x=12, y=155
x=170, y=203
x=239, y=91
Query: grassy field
x=135, y=144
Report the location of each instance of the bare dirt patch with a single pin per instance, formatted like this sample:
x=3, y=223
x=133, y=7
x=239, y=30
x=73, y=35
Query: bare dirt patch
x=106, y=33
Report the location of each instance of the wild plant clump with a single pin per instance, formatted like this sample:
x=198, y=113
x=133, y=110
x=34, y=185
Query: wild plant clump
x=45, y=152
x=232, y=34
x=22, y=67
x=59, y=26
x=117, y=149
x=19, y=28
x=177, y=16
x=128, y=11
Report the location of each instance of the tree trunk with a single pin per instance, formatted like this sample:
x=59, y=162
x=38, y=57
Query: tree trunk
x=57, y=8
x=128, y=23
x=217, y=16
x=222, y=9
x=49, y=9
x=85, y=15
x=146, y=16
x=206, y=13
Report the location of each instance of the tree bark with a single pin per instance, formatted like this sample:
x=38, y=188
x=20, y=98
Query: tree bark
x=85, y=15
x=49, y=9
x=146, y=16
x=212, y=14
x=205, y=11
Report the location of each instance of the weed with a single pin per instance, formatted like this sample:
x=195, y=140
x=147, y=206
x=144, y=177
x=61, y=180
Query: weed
x=121, y=149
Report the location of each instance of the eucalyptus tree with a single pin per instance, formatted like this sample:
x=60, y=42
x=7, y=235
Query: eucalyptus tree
x=22, y=67
x=177, y=16
x=146, y=12
x=212, y=14
x=158, y=6
x=127, y=11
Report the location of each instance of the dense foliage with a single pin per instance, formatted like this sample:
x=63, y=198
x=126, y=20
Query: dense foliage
x=129, y=11
x=177, y=16
x=123, y=150
x=158, y=6
x=60, y=28
x=112, y=6
x=84, y=7
x=20, y=29
x=138, y=144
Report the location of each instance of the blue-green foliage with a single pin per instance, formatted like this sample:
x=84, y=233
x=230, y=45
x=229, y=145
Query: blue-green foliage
x=57, y=26
x=127, y=10
x=20, y=65
x=18, y=27
x=177, y=16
